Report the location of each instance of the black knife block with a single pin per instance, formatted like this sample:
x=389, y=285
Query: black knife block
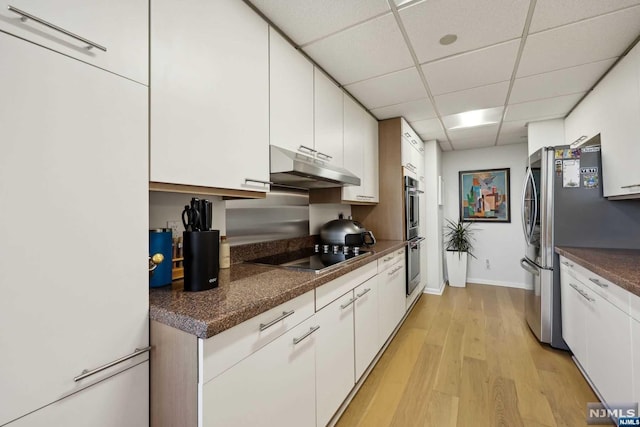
x=201, y=260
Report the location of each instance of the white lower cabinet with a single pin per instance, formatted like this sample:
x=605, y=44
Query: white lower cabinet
x=392, y=299
x=273, y=386
x=635, y=342
x=119, y=401
x=334, y=356
x=598, y=328
x=366, y=324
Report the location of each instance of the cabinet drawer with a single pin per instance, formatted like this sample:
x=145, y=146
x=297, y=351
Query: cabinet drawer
x=333, y=290
x=603, y=287
x=390, y=259
x=224, y=350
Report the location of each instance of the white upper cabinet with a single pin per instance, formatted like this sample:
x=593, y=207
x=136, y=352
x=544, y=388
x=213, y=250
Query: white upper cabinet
x=209, y=95
x=585, y=121
x=328, y=119
x=620, y=133
x=120, y=27
x=360, y=153
x=291, y=95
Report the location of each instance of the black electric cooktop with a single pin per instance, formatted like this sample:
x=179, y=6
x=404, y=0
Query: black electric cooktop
x=318, y=259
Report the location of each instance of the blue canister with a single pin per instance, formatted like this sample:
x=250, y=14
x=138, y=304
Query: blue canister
x=160, y=241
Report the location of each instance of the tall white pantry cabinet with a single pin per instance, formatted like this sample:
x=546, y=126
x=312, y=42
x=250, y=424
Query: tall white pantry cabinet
x=73, y=218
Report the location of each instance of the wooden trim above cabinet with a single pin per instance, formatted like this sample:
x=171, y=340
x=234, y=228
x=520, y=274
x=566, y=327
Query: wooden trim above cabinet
x=208, y=191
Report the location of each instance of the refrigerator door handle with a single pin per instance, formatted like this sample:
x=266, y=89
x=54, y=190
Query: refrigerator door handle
x=525, y=229
x=528, y=266
x=534, y=218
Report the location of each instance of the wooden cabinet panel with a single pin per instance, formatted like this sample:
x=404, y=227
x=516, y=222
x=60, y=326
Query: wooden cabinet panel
x=74, y=229
x=273, y=386
x=291, y=95
x=209, y=95
x=120, y=26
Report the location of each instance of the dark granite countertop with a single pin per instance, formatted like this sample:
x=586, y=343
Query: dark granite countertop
x=245, y=290
x=620, y=266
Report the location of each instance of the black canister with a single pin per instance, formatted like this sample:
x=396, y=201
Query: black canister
x=201, y=260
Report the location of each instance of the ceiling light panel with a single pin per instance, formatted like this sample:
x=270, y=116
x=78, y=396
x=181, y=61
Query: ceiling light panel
x=548, y=108
x=364, y=51
x=307, y=20
x=472, y=99
x=477, y=24
x=394, y=88
x=474, y=118
x=420, y=109
x=593, y=40
x=560, y=82
x=472, y=69
x=554, y=13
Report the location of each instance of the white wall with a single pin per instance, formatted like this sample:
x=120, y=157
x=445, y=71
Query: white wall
x=547, y=133
x=325, y=212
x=433, y=218
x=501, y=243
x=165, y=207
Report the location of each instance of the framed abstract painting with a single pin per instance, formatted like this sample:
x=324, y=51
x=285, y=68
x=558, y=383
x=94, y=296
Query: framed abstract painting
x=485, y=195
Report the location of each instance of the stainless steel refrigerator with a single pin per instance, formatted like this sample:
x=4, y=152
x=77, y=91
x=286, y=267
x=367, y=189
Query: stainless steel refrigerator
x=562, y=205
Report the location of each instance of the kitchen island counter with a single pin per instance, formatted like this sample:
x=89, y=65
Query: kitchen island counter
x=245, y=290
x=620, y=266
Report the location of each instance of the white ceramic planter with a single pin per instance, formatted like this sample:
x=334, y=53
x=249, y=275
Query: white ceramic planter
x=457, y=268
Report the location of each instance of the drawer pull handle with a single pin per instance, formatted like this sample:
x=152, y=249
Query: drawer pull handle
x=599, y=283
x=630, y=186
x=285, y=314
x=388, y=258
x=581, y=292
x=311, y=330
x=325, y=156
x=87, y=373
x=394, y=271
x=25, y=16
x=348, y=303
x=363, y=293
x=568, y=264
x=306, y=149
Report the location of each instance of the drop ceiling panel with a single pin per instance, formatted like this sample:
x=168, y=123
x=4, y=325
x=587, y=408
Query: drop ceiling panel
x=420, y=109
x=429, y=129
x=472, y=99
x=580, y=43
x=554, y=13
x=389, y=89
x=364, y=51
x=472, y=69
x=444, y=146
x=550, y=108
x=560, y=82
x=477, y=24
x=483, y=136
x=513, y=132
x=470, y=144
x=307, y=20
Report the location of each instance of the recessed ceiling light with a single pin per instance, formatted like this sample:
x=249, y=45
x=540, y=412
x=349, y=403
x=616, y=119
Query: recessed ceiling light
x=473, y=118
x=448, y=39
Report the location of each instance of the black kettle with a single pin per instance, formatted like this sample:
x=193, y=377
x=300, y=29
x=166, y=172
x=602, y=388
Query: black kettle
x=346, y=232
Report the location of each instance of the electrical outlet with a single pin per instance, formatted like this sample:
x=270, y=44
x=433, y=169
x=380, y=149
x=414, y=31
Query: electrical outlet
x=487, y=264
x=175, y=228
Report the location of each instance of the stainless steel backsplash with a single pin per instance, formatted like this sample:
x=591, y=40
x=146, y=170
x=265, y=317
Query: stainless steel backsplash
x=282, y=214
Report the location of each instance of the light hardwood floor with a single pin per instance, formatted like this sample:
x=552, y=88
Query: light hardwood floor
x=468, y=358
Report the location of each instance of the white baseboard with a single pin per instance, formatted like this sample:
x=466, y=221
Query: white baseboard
x=498, y=283
x=431, y=291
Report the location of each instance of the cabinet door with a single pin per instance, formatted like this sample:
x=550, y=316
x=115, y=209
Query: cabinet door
x=273, y=386
x=418, y=161
x=573, y=308
x=392, y=301
x=119, y=401
x=335, y=375
x=586, y=120
x=120, y=26
x=210, y=95
x=74, y=220
x=367, y=331
x=620, y=98
x=291, y=95
x=609, y=347
x=635, y=342
x=328, y=120
x=354, y=149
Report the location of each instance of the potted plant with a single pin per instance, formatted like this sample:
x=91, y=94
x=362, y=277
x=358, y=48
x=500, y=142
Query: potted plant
x=458, y=237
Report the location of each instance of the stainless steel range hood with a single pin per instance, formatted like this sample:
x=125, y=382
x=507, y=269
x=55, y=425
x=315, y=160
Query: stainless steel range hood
x=300, y=170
